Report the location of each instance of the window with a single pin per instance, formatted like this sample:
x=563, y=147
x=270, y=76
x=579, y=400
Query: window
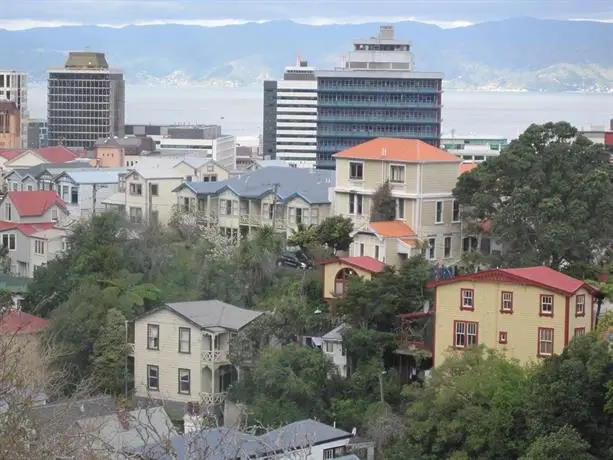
x=503, y=337
x=154, y=189
x=545, y=341
x=184, y=381
x=506, y=302
x=438, y=219
x=355, y=204
x=8, y=241
x=39, y=246
x=333, y=452
x=455, y=214
x=467, y=299
x=54, y=215
x=447, y=247
x=356, y=170
x=466, y=334
x=153, y=378
x=228, y=207
x=74, y=195
x=397, y=173
x=136, y=215
x=431, y=250
x=154, y=216
x=361, y=249
x=329, y=347
x=153, y=336
x=136, y=189
x=8, y=211
x=377, y=252
x=580, y=305
x=314, y=216
x=579, y=331
x=399, y=208
x=546, y=307
x=185, y=340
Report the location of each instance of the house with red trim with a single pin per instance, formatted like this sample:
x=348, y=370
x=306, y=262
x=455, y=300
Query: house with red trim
x=528, y=313
x=29, y=229
x=390, y=242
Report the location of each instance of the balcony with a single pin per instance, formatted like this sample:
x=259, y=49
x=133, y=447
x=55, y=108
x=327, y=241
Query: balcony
x=211, y=399
x=376, y=119
x=326, y=132
x=375, y=103
x=215, y=356
x=249, y=219
x=376, y=89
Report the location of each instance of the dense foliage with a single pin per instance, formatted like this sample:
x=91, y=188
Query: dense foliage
x=383, y=204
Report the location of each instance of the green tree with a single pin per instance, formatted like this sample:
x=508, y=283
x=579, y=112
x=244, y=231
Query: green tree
x=129, y=292
x=547, y=195
x=109, y=354
x=383, y=206
x=335, y=233
x=564, y=444
x=304, y=236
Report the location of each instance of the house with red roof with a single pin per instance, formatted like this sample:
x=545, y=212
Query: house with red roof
x=338, y=271
x=421, y=177
x=391, y=242
x=20, y=322
x=28, y=227
x=31, y=157
x=527, y=313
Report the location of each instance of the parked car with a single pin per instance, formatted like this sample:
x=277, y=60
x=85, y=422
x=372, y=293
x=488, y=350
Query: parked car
x=295, y=260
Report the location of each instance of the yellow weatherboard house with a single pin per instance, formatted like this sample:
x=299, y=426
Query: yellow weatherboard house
x=529, y=313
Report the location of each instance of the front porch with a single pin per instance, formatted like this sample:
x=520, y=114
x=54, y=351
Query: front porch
x=215, y=383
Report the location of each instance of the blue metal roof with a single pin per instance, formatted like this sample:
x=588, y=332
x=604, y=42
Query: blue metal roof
x=95, y=176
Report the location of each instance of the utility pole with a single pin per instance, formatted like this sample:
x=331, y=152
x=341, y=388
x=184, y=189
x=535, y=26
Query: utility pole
x=381, y=374
x=149, y=202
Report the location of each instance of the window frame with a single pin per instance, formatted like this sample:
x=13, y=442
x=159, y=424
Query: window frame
x=541, y=298
x=151, y=327
x=579, y=332
x=397, y=167
x=503, y=337
x=455, y=212
x=447, y=253
x=503, y=310
x=151, y=367
x=39, y=246
x=465, y=334
x=540, y=341
x=329, y=346
x=189, y=340
x=436, y=212
x=463, y=306
x=189, y=381
x=582, y=312
x=154, y=189
x=359, y=169
x=431, y=249
x=400, y=204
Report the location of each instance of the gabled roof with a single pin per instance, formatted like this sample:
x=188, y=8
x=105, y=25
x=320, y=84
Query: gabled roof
x=59, y=154
x=366, y=263
x=26, y=229
x=156, y=173
x=39, y=170
x=398, y=149
x=336, y=334
x=93, y=176
x=20, y=322
x=9, y=154
x=35, y=203
x=392, y=229
x=310, y=185
x=539, y=276
x=214, y=314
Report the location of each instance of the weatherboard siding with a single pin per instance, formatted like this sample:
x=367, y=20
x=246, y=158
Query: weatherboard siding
x=330, y=272
x=440, y=178
x=26, y=160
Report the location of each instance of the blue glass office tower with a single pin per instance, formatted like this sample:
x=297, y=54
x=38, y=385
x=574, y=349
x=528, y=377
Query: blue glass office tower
x=376, y=94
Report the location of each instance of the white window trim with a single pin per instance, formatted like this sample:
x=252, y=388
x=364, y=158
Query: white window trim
x=355, y=178
x=436, y=221
x=404, y=173
x=450, y=239
x=431, y=247
x=453, y=203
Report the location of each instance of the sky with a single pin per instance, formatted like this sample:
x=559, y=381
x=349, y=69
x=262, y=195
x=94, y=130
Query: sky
x=24, y=14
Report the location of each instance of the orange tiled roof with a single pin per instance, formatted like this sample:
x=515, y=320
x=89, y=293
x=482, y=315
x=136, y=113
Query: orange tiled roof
x=393, y=229
x=465, y=167
x=396, y=149
x=409, y=242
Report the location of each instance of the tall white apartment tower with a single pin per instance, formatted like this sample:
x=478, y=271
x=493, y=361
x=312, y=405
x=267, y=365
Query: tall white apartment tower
x=290, y=117
x=14, y=88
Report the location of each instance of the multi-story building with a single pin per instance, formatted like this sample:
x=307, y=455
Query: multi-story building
x=377, y=94
x=472, y=148
x=40, y=177
x=120, y=152
x=421, y=179
x=601, y=135
x=290, y=116
x=527, y=313
x=15, y=159
x=181, y=351
x=38, y=134
x=86, y=101
x=205, y=141
x=10, y=125
x=281, y=198
x=14, y=88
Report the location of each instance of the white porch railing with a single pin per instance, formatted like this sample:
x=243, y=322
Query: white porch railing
x=212, y=356
x=212, y=398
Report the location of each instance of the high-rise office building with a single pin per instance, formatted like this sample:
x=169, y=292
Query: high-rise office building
x=290, y=116
x=14, y=88
x=85, y=101
x=376, y=94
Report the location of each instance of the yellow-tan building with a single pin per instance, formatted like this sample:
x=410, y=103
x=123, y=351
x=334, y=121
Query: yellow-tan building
x=421, y=178
x=528, y=313
x=337, y=273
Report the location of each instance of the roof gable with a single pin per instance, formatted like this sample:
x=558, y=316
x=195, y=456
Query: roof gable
x=59, y=154
x=399, y=150
x=366, y=263
x=392, y=229
x=35, y=203
x=10, y=154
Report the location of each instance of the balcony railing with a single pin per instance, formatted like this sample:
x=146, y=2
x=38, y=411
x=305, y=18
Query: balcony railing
x=213, y=356
x=375, y=103
x=210, y=399
x=249, y=219
x=376, y=89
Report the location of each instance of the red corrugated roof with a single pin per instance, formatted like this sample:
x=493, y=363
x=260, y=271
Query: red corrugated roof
x=58, y=154
x=35, y=203
x=22, y=322
x=547, y=277
x=11, y=153
x=26, y=229
x=370, y=264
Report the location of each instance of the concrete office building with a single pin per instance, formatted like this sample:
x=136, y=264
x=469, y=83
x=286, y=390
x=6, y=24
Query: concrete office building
x=38, y=136
x=475, y=149
x=290, y=116
x=10, y=125
x=14, y=88
x=85, y=102
x=377, y=94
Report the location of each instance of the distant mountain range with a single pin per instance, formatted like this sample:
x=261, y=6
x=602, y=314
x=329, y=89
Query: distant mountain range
x=516, y=54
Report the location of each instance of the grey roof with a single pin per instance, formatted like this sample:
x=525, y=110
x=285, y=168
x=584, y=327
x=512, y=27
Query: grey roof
x=215, y=313
x=142, y=426
x=62, y=415
x=119, y=142
x=310, y=184
x=336, y=334
x=229, y=444
x=95, y=176
x=36, y=171
x=268, y=163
